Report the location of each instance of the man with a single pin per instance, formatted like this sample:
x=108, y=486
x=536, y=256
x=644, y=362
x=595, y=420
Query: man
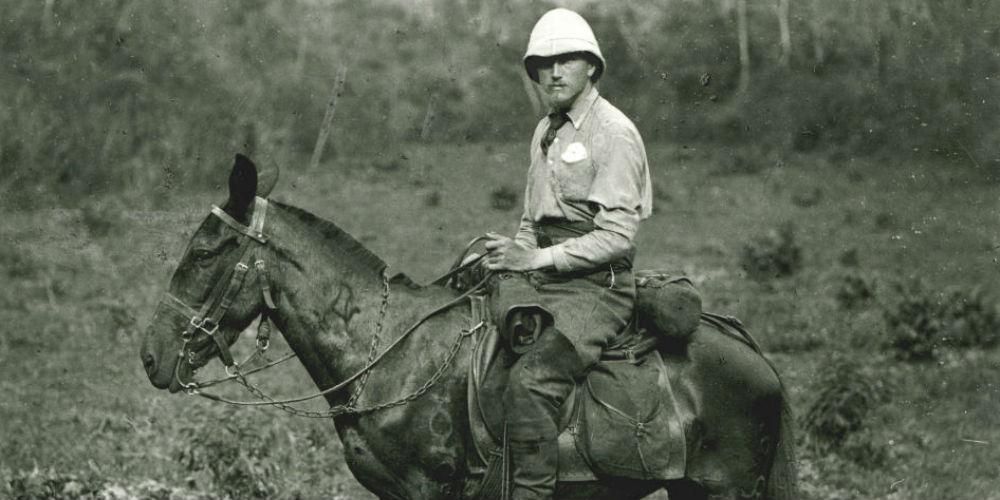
x=588, y=187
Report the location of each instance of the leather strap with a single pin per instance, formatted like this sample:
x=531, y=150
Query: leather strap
x=256, y=228
x=223, y=293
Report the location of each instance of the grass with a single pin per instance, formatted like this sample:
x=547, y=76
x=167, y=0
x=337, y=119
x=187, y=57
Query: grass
x=78, y=414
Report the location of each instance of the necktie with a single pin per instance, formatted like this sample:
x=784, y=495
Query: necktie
x=556, y=121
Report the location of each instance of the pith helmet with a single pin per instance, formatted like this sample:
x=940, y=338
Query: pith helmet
x=562, y=31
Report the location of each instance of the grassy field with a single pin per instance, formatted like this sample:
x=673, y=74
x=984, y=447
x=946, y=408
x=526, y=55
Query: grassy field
x=78, y=416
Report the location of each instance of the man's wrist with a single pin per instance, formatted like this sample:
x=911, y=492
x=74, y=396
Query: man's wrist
x=542, y=258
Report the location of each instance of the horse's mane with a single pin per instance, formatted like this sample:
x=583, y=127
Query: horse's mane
x=337, y=237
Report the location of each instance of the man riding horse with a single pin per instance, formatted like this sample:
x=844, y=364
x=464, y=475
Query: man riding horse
x=588, y=188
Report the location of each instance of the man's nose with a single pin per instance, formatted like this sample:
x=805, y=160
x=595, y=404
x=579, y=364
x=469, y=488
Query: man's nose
x=557, y=71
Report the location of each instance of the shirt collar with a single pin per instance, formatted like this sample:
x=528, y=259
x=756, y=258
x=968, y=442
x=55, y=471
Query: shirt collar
x=581, y=107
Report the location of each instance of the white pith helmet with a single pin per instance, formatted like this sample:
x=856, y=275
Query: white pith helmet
x=562, y=31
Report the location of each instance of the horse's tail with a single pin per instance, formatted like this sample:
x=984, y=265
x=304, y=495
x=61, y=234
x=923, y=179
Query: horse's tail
x=782, y=478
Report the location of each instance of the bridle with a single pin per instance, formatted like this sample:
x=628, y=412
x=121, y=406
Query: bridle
x=206, y=319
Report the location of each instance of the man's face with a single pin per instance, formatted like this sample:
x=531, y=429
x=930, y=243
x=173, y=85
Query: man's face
x=564, y=77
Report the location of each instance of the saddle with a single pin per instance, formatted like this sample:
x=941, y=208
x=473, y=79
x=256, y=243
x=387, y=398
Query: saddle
x=621, y=420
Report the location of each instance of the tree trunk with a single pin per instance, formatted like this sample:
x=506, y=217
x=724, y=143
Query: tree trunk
x=625, y=30
x=529, y=89
x=300, y=56
x=425, y=129
x=331, y=107
x=744, y=37
x=786, y=33
x=48, y=25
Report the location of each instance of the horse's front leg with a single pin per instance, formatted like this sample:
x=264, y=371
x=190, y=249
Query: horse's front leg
x=395, y=473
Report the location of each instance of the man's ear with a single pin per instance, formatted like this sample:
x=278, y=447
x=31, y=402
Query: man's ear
x=242, y=187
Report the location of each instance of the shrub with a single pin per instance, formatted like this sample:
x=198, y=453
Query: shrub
x=912, y=323
x=921, y=321
x=845, y=396
x=854, y=291
x=49, y=483
x=773, y=255
x=503, y=198
x=52, y=484
x=849, y=258
x=970, y=319
x=234, y=452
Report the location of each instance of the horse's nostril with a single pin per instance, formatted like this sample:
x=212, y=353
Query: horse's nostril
x=148, y=361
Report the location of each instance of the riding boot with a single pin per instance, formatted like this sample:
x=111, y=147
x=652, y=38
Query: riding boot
x=535, y=465
x=540, y=382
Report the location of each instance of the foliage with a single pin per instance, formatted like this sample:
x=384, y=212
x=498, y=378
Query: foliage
x=772, y=255
x=845, y=395
x=922, y=321
x=50, y=484
x=79, y=403
x=854, y=290
x=236, y=455
x=154, y=95
x=504, y=198
x=971, y=319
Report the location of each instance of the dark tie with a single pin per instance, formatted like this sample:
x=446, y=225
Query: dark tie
x=556, y=121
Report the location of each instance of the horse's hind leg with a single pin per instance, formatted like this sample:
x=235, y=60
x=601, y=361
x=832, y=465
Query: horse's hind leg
x=686, y=489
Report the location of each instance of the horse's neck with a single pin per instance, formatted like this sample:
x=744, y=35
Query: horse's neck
x=328, y=292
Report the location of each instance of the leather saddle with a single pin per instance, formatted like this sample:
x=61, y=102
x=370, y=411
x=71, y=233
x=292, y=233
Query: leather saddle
x=622, y=419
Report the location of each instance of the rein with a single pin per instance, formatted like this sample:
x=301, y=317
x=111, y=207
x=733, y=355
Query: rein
x=207, y=318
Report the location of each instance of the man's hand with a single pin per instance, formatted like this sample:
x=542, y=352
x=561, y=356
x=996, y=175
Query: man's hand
x=503, y=254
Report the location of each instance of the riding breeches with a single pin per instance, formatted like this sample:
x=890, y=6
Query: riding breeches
x=540, y=382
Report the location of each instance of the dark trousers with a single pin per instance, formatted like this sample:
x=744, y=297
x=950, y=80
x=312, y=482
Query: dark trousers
x=540, y=382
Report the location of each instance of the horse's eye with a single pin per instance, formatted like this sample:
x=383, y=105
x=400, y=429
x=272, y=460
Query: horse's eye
x=201, y=255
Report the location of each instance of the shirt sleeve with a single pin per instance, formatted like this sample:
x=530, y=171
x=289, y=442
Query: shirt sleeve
x=526, y=235
x=620, y=196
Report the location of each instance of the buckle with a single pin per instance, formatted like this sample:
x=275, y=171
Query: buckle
x=199, y=323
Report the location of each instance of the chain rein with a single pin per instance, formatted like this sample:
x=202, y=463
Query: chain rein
x=197, y=320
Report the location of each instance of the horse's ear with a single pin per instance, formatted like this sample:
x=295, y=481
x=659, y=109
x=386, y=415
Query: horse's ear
x=267, y=177
x=242, y=186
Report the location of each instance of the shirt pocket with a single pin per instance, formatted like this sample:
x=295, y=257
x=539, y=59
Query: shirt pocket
x=574, y=172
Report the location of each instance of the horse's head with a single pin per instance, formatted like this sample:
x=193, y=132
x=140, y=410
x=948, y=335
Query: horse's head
x=213, y=294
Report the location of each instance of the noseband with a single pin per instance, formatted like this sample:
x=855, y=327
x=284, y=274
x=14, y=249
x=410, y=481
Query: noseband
x=206, y=319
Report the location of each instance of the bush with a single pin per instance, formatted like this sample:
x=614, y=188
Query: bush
x=773, y=255
x=970, y=319
x=234, y=452
x=835, y=422
x=49, y=483
x=503, y=198
x=52, y=484
x=921, y=322
x=854, y=291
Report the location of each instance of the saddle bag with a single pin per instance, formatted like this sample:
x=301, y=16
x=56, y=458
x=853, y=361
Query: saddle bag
x=624, y=424
x=667, y=304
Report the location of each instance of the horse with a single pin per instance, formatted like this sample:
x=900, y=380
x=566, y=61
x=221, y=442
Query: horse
x=401, y=410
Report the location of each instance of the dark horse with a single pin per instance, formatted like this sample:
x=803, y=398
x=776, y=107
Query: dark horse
x=329, y=296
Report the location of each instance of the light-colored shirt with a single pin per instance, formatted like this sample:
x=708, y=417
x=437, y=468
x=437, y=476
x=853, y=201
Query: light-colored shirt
x=595, y=171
